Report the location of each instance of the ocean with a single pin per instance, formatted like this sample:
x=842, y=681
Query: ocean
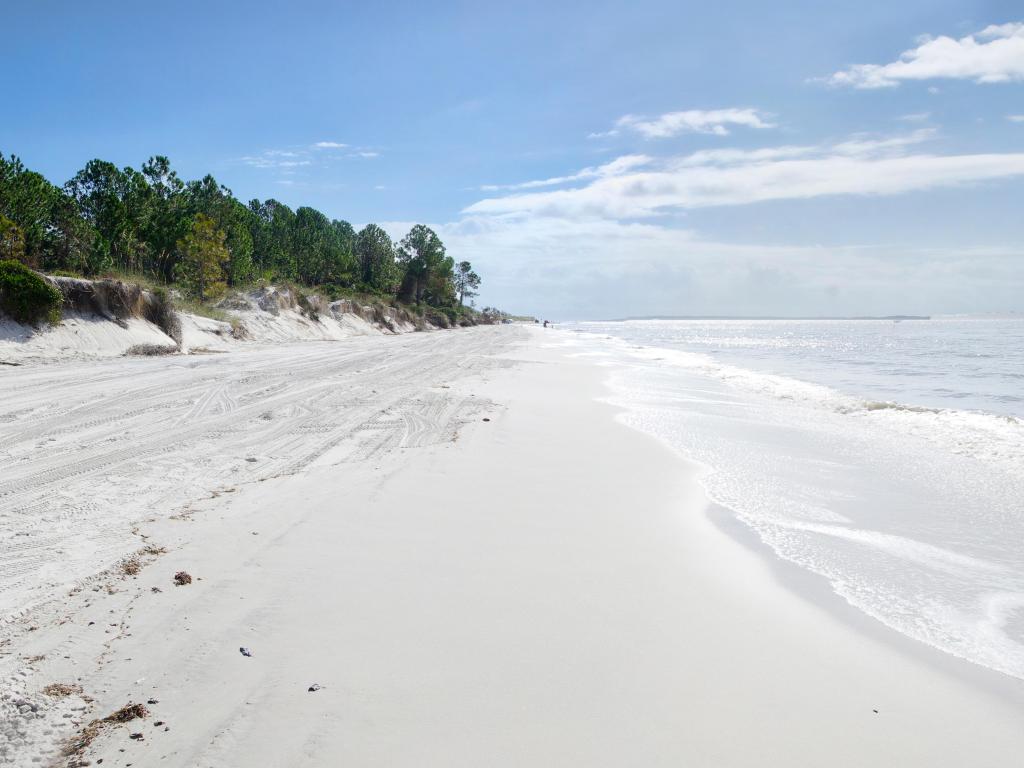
x=886, y=457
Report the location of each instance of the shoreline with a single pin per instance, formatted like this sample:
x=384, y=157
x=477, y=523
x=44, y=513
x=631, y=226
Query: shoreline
x=909, y=513
x=817, y=592
x=550, y=587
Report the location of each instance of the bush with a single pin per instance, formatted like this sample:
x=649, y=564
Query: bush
x=451, y=313
x=26, y=296
x=149, y=350
x=438, y=316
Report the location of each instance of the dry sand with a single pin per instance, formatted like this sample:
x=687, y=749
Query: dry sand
x=460, y=545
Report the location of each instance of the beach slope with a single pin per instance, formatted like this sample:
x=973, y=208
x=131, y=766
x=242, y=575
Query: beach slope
x=543, y=586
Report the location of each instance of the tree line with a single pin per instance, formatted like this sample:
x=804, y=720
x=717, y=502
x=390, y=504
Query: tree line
x=196, y=235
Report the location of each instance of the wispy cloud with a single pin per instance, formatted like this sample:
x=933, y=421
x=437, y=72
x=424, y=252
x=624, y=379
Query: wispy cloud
x=993, y=55
x=614, y=168
x=1015, y=118
x=292, y=158
x=866, y=145
x=710, y=121
x=276, y=158
x=858, y=165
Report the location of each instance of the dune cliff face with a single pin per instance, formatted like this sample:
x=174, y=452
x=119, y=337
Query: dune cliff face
x=109, y=318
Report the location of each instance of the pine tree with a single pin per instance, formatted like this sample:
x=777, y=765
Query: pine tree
x=203, y=258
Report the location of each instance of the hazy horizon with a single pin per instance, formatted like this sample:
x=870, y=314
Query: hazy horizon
x=592, y=161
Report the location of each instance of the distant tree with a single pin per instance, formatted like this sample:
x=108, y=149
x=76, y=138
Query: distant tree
x=167, y=219
x=375, y=255
x=345, y=236
x=74, y=241
x=421, y=254
x=202, y=259
x=272, y=225
x=231, y=217
x=240, y=244
x=313, y=242
x=114, y=201
x=466, y=281
x=12, y=241
x=28, y=200
x=150, y=221
x=344, y=267
x=440, y=287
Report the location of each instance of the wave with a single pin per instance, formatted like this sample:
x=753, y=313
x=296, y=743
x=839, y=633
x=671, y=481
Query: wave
x=981, y=435
x=910, y=513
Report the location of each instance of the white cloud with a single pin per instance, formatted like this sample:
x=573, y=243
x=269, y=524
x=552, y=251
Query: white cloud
x=591, y=243
x=857, y=166
x=915, y=117
x=275, y=158
x=1015, y=118
x=603, y=268
x=993, y=55
x=288, y=160
x=713, y=121
x=864, y=145
x=614, y=168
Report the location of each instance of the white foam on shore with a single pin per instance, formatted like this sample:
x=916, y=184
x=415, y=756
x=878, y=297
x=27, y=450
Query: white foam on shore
x=912, y=514
x=985, y=436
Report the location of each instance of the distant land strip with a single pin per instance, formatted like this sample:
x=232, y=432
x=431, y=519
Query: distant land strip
x=766, y=317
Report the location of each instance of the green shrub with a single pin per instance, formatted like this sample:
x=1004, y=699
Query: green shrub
x=451, y=313
x=26, y=296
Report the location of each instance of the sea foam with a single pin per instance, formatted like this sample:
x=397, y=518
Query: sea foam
x=913, y=511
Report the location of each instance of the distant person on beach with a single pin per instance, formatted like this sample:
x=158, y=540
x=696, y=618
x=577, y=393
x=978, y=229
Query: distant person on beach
x=545, y=323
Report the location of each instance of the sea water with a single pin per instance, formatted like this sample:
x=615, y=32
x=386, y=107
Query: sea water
x=886, y=457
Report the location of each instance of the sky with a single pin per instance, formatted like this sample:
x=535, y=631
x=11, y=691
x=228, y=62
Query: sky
x=593, y=160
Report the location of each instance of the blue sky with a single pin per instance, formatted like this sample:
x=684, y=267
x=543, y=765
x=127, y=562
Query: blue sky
x=592, y=159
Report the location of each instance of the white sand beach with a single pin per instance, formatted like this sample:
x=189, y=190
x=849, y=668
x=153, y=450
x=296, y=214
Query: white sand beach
x=455, y=543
